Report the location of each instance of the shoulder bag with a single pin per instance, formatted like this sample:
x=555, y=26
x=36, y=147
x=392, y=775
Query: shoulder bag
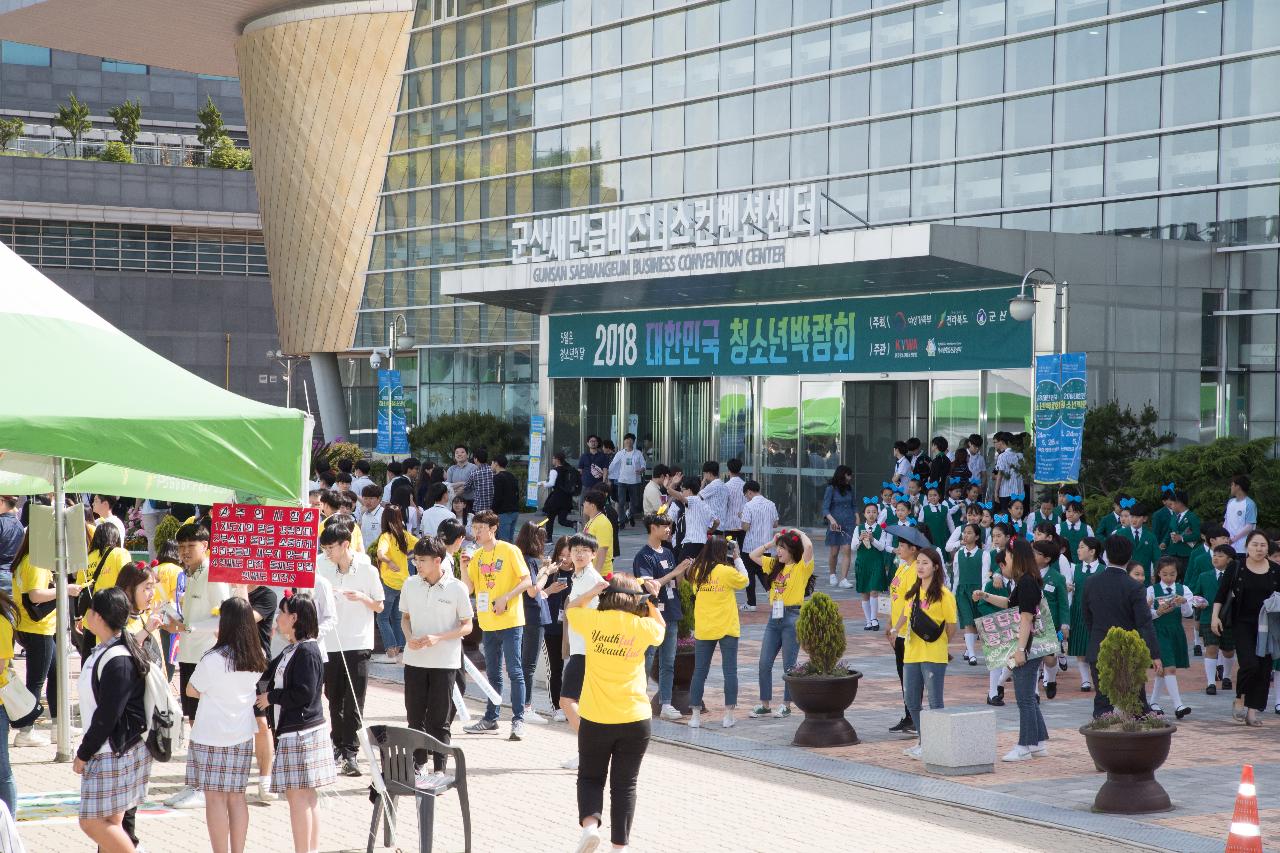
x=922, y=624
x=85, y=599
x=1226, y=614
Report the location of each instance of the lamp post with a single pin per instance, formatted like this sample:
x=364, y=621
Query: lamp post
x=287, y=362
x=396, y=342
x=1023, y=306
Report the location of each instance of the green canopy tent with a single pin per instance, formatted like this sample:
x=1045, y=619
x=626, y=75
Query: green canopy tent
x=24, y=474
x=57, y=407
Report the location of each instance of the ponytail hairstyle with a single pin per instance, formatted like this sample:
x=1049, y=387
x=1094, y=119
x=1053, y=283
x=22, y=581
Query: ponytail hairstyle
x=114, y=608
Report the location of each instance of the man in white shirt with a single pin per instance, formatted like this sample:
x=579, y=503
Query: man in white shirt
x=714, y=493
x=103, y=508
x=435, y=612
x=198, y=629
x=731, y=524
x=360, y=479
x=901, y=464
x=1242, y=512
x=626, y=469
x=369, y=513
x=437, y=511
x=655, y=489
x=1008, y=479
x=698, y=517
x=759, y=520
x=358, y=595
x=459, y=474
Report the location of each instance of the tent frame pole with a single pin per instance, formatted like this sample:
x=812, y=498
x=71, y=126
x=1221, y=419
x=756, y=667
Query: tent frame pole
x=63, y=610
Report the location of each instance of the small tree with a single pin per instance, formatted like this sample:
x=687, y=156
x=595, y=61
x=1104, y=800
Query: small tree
x=74, y=119
x=441, y=433
x=1123, y=661
x=1205, y=471
x=820, y=630
x=227, y=156
x=10, y=129
x=211, y=128
x=684, y=628
x=128, y=120
x=1114, y=438
x=167, y=529
x=116, y=152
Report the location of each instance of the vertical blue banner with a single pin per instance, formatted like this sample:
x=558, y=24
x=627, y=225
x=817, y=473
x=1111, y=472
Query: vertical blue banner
x=1062, y=390
x=393, y=434
x=537, y=432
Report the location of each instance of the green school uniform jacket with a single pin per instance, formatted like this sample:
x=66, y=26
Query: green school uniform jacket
x=1200, y=561
x=1159, y=523
x=1145, y=549
x=1206, y=586
x=984, y=608
x=1055, y=594
x=1107, y=525
x=1187, y=525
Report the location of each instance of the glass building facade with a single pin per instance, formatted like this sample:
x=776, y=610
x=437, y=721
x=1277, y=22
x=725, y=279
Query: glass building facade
x=1131, y=117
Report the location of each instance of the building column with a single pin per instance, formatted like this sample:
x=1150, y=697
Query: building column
x=330, y=399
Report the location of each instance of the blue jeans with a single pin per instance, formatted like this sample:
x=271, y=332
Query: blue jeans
x=8, y=790
x=42, y=673
x=915, y=677
x=1031, y=728
x=530, y=642
x=507, y=526
x=666, y=652
x=6, y=581
x=389, y=619
x=702, y=652
x=778, y=634
x=499, y=647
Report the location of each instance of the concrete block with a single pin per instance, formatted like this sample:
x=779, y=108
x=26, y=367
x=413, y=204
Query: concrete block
x=958, y=741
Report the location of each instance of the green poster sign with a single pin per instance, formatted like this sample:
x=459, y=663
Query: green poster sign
x=949, y=330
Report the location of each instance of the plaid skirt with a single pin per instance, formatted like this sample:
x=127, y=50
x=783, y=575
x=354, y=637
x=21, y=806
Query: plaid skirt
x=113, y=784
x=304, y=761
x=219, y=768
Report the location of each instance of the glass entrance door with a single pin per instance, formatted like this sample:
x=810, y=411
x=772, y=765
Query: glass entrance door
x=876, y=414
x=820, y=447
x=644, y=417
x=692, y=424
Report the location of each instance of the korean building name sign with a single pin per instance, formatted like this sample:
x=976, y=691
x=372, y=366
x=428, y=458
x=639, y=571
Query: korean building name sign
x=949, y=330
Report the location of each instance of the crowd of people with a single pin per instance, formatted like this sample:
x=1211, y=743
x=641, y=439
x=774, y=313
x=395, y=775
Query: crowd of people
x=277, y=678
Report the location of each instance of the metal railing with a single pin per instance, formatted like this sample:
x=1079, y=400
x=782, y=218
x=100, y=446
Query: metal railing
x=146, y=154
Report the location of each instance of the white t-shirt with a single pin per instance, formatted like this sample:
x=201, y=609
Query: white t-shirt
x=902, y=470
x=1241, y=512
x=225, y=715
x=581, y=584
x=432, y=517
x=370, y=521
x=358, y=484
x=354, y=631
x=435, y=609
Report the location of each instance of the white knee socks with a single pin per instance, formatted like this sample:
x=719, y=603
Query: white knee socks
x=1085, y=676
x=869, y=611
x=993, y=681
x=1211, y=670
x=1050, y=670
x=1171, y=685
x=1154, y=698
x=1227, y=664
x=970, y=644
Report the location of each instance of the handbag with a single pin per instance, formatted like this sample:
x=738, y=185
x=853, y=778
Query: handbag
x=922, y=624
x=1226, y=614
x=19, y=703
x=84, y=601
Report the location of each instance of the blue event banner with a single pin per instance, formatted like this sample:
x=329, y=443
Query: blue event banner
x=393, y=434
x=1062, y=391
x=924, y=332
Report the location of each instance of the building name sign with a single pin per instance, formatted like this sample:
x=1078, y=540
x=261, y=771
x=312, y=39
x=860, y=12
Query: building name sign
x=926, y=332
x=701, y=223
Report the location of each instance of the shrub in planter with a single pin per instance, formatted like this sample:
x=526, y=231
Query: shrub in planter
x=116, y=152
x=683, y=676
x=1129, y=746
x=167, y=529
x=824, y=686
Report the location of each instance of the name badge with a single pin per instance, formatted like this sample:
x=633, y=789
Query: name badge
x=661, y=606
x=561, y=618
x=1050, y=588
x=664, y=564
x=482, y=602
x=671, y=593
x=777, y=608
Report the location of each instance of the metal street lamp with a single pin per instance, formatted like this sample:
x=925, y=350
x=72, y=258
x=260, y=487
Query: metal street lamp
x=1023, y=306
x=287, y=362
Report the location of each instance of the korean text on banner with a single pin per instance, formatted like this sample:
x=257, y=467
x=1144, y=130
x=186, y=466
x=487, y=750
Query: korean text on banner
x=999, y=634
x=263, y=545
x=393, y=435
x=537, y=431
x=1062, y=391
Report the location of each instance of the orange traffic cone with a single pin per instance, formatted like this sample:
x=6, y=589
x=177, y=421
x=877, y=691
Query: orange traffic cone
x=1245, y=835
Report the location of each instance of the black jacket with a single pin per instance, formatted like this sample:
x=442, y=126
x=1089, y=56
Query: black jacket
x=120, y=718
x=300, y=697
x=506, y=493
x=1113, y=599
x=940, y=470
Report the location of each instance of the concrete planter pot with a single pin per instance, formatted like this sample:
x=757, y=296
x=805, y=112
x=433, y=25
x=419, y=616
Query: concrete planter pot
x=824, y=699
x=1130, y=760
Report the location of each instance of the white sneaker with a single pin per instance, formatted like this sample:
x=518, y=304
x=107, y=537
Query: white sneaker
x=382, y=659
x=1018, y=753
x=669, y=712
x=265, y=794
x=569, y=763
x=748, y=608
x=559, y=716
x=187, y=798
x=1041, y=748
x=532, y=716
x=844, y=584
x=695, y=720
x=430, y=781
x=913, y=752
x=728, y=721
x=30, y=737
x=589, y=840
x=833, y=580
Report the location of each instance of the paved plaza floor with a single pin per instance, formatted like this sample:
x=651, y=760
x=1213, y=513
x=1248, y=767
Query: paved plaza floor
x=748, y=789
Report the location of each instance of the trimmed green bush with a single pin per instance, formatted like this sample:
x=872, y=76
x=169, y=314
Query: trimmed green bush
x=335, y=451
x=226, y=155
x=820, y=630
x=116, y=152
x=1123, y=661
x=684, y=629
x=1205, y=471
x=441, y=433
x=167, y=529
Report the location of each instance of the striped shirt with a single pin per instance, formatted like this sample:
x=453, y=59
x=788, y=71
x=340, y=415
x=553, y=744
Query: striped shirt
x=716, y=496
x=762, y=515
x=698, y=520
x=734, y=505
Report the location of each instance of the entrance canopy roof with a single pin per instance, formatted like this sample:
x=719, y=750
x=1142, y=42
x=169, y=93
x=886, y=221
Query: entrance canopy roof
x=888, y=260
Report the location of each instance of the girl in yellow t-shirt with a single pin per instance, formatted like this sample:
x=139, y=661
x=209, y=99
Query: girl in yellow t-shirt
x=717, y=574
x=925, y=661
x=394, y=547
x=786, y=574
x=106, y=559
x=613, y=731
x=36, y=631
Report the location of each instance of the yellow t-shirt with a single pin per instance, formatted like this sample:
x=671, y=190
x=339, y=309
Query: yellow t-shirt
x=903, y=578
x=116, y=561
x=494, y=572
x=715, y=609
x=790, y=583
x=602, y=529
x=395, y=577
x=917, y=650
x=25, y=579
x=614, y=689
x=6, y=651
x=167, y=575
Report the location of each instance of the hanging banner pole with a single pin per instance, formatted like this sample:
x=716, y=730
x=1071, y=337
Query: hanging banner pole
x=62, y=609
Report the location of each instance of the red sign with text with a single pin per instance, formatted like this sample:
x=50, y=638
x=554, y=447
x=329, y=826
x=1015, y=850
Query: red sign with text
x=263, y=545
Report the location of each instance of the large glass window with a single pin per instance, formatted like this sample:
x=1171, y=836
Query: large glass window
x=809, y=103
x=702, y=75
x=1188, y=159
x=809, y=154
x=1137, y=218
x=700, y=124
x=123, y=67
x=1025, y=15
x=737, y=19
x=850, y=192
x=978, y=129
x=1188, y=217
x=773, y=110
x=600, y=415
x=1077, y=113
x=1134, y=45
x=17, y=53
x=637, y=41
x=848, y=149
x=780, y=433
x=935, y=25
x=1133, y=105
x=702, y=26
x=1028, y=64
x=811, y=52
x=890, y=196
x=935, y=81
x=773, y=60
x=981, y=19
x=1250, y=215
x=772, y=158
x=668, y=176
x=736, y=116
x=1133, y=167
x=890, y=142
x=692, y=423
x=1250, y=24
x=668, y=34
x=933, y=191
x=1008, y=401
x=851, y=44
x=734, y=163
x=1081, y=54
x=981, y=72
x=668, y=129
x=737, y=67
x=1248, y=87
x=645, y=416
x=1192, y=33
x=977, y=185
x=1028, y=121
x=1026, y=180
x=736, y=423
x=955, y=409
x=1079, y=10
x=850, y=96
x=1077, y=173
x=891, y=89
x=819, y=453
x=891, y=34
x=933, y=136
x=1249, y=152
x=1191, y=96
x=566, y=417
